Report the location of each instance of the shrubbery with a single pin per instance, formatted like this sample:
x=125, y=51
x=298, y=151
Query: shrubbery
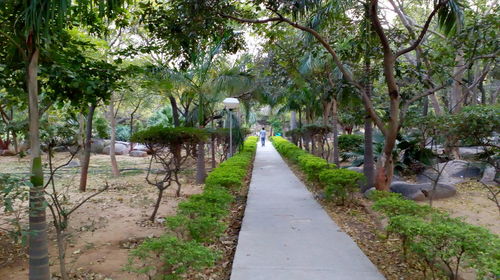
x=339, y=184
x=350, y=142
x=435, y=238
x=199, y=222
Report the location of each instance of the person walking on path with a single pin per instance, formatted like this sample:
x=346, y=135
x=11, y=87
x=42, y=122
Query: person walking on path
x=262, y=135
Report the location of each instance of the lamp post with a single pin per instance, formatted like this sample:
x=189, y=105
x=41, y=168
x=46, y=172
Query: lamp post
x=231, y=104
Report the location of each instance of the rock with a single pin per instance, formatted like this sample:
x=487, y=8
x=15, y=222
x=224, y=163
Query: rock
x=123, y=143
x=136, y=153
x=358, y=169
x=120, y=149
x=140, y=147
x=74, y=163
x=368, y=192
x=421, y=192
x=467, y=152
x=97, y=146
x=489, y=176
x=453, y=172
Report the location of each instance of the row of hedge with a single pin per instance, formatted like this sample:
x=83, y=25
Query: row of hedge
x=338, y=184
x=199, y=222
x=435, y=238
x=431, y=235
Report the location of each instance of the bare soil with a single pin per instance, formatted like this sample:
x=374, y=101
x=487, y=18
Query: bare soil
x=104, y=229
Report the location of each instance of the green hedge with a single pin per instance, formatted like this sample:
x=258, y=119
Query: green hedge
x=337, y=183
x=436, y=238
x=198, y=223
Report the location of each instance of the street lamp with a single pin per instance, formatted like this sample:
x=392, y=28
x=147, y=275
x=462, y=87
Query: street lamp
x=231, y=103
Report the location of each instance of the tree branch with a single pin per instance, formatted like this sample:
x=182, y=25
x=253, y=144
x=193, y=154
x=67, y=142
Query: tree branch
x=424, y=29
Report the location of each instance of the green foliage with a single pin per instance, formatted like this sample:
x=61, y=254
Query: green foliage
x=199, y=220
x=169, y=136
x=340, y=184
x=287, y=149
x=13, y=192
x=434, y=237
x=101, y=126
x=167, y=258
x=163, y=117
x=122, y=132
x=309, y=164
x=312, y=166
x=350, y=142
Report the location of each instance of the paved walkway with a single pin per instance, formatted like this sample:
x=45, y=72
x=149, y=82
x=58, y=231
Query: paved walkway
x=286, y=234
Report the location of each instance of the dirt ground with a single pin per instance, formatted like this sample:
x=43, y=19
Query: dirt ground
x=104, y=229
x=472, y=204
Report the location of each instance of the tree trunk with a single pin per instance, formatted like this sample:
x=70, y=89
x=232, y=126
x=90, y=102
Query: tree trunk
x=200, y=164
x=157, y=204
x=62, y=254
x=293, y=120
x=88, y=143
x=37, y=240
x=335, y=128
x=385, y=163
x=81, y=137
x=112, y=150
x=368, y=165
x=175, y=110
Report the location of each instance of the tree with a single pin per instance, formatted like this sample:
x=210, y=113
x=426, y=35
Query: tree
x=280, y=10
x=28, y=27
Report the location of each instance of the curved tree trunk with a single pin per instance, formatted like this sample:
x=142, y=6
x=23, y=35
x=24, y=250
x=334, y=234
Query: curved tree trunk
x=88, y=143
x=335, y=128
x=37, y=241
x=112, y=150
x=175, y=110
x=368, y=165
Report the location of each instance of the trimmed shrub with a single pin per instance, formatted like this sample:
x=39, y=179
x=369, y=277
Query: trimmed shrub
x=199, y=220
x=434, y=237
x=350, y=142
x=340, y=184
x=312, y=166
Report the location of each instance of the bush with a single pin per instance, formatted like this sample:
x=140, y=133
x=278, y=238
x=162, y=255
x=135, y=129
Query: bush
x=122, y=132
x=434, y=237
x=169, y=136
x=201, y=229
x=350, y=142
x=340, y=183
x=199, y=219
x=101, y=127
x=169, y=258
x=312, y=166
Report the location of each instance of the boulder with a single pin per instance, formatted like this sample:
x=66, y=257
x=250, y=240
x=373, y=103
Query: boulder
x=74, y=163
x=489, y=176
x=140, y=147
x=423, y=191
x=97, y=146
x=136, y=153
x=368, y=192
x=120, y=149
x=453, y=172
x=468, y=152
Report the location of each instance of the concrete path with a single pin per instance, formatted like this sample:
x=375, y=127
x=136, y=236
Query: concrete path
x=286, y=234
